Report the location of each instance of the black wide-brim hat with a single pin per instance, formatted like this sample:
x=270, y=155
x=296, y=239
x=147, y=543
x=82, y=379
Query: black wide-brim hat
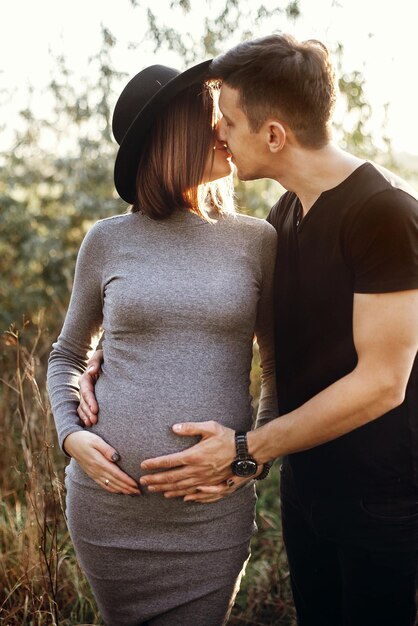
x=139, y=104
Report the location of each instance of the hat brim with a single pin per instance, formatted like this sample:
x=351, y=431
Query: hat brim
x=129, y=153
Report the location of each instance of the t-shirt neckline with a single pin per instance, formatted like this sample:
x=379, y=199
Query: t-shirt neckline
x=326, y=194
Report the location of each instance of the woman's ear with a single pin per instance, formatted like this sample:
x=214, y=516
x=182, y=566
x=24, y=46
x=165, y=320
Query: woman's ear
x=276, y=136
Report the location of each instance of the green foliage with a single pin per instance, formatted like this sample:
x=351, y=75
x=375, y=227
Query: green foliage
x=352, y=88
x=50, y=196
x=353, y=130
x=234, y=17
x=256, y=197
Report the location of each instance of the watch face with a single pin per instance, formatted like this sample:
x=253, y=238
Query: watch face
x=246, y=467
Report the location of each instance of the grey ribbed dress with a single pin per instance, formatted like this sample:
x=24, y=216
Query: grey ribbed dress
x=179, y=301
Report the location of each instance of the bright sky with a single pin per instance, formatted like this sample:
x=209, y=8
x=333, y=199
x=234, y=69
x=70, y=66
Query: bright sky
x=379, y=38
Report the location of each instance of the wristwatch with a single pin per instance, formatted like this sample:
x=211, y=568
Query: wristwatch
x=266, y=471
x=243, y=464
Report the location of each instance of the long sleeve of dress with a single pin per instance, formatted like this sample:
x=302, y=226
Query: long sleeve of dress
x=78, y=336
x=267, y=409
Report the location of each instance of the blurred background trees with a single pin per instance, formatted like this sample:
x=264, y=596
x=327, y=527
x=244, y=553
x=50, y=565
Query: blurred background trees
x=57, y=177
x=55, y=181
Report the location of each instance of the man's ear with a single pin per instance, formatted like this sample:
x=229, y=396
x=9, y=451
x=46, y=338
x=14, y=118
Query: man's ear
x=276, y=135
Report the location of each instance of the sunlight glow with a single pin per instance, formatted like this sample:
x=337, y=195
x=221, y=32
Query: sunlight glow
x=379, y=39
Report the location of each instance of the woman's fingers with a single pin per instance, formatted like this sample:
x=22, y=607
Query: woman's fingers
x=98, y=459
x=110, y=485
x=103, y=470
x=105, y=449
x=113, y=484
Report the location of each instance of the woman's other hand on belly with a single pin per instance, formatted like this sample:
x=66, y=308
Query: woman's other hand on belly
x=98, y=459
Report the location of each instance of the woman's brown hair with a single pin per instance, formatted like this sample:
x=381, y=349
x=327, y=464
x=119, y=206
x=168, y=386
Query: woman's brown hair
x=173, y=161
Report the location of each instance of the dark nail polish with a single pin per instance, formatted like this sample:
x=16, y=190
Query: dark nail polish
x=115, y=457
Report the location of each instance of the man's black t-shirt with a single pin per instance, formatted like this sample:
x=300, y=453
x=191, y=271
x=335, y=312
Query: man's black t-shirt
x=360, y=237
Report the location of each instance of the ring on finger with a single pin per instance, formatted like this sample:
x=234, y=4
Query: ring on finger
x=107, y=482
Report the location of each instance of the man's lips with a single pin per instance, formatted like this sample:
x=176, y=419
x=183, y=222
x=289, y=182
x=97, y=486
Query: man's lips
x=223, y=147
x=226, y=152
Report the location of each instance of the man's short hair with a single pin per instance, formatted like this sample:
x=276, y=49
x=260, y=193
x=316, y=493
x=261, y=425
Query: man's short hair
x=277, y=76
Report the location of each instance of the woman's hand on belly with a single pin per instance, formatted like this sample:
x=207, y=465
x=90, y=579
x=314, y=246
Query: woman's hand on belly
x=98, y=459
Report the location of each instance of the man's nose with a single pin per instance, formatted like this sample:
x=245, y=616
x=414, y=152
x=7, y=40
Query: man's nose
x=220, y=131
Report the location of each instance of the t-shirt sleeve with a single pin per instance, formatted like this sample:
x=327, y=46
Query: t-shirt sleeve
x=79, y=335
x=271, y=217
x=383, y=244
x=264, y=330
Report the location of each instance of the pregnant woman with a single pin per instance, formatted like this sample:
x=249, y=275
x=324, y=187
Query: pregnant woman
x=179, y=285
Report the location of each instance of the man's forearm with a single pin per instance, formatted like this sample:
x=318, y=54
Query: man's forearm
x=346, y=405
x=386, y=341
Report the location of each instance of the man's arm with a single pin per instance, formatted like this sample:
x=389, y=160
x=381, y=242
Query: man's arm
x=385, y=330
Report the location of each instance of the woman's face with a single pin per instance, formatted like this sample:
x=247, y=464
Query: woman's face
x=218, y=163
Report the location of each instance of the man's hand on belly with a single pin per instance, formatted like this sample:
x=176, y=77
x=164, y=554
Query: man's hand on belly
x=202, y=472
x=88, y=408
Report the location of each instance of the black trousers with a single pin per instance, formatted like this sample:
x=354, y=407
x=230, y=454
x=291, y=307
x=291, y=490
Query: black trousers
x=354, y=561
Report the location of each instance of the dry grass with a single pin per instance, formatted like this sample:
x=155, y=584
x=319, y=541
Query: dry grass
x=40, y=581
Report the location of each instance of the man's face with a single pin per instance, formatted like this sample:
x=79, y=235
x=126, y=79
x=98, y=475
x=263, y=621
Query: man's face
x=248, y=149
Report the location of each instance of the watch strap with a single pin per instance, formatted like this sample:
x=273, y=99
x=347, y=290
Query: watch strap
x=265, y=472
x=241, y=445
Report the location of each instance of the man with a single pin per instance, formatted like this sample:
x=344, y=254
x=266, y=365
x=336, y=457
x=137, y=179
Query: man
x=346, y=345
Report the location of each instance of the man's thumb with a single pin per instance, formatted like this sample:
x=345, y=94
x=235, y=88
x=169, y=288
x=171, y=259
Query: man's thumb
x=190, y=429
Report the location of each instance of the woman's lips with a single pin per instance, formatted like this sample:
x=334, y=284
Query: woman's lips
x=223, y=147
x=225, y=151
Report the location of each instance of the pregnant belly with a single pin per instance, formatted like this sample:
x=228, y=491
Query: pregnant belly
x=138, y=436
x=141, y=427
